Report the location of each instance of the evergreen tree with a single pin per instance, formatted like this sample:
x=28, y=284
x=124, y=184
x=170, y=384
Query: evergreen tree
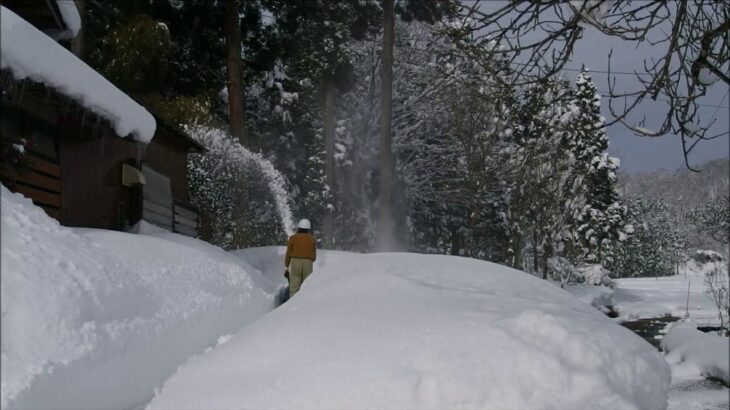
x=712, y=219
x=653, y=245
x=601, y=219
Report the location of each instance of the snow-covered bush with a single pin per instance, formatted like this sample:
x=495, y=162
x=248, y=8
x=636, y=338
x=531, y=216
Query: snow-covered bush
x=718, y=290
x=707, y=256
x=594, y=274
x=654, y=245
x=588, y=274
x=562, y=269
x=703, y=262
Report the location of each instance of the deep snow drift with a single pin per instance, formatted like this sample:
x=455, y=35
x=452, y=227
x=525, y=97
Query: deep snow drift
x=706, y=353
x=423, y=331
x=97, y=319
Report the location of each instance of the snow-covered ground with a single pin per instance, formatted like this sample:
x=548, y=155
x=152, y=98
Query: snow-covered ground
x=422, y=331
x=706, y=354
x=692, y=355
x=637, y=298
x=98, y=319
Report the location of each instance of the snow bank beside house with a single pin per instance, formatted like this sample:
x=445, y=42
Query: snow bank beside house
x=423, y=331
x=28, y=53
x=707, y=353
x=95, y=319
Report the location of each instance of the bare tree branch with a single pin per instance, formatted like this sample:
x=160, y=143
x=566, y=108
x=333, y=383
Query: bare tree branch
x=537, y=38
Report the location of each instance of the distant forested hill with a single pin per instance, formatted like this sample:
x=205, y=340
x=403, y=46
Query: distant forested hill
x=690, y=207
x=681, y=189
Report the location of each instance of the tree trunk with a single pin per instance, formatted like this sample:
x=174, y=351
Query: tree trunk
x=546, y=255
x=535, y=264
x=516, y=245
x=386, y=235
x=232, y=28
x=329, y=147
x=77, y=44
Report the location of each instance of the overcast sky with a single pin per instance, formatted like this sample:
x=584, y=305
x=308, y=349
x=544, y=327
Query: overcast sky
x=642, y=153
x=639, y=154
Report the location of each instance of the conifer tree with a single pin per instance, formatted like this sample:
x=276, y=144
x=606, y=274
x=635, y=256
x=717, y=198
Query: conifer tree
x=600, y=218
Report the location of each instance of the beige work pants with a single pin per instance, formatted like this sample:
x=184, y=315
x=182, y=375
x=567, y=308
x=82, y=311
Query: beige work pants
x=299, y=269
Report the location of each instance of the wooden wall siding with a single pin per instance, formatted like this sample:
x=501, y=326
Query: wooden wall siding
x=167, y=154
x=157, y=203
x=93, y=194
x=186, y=220
x=42, y=184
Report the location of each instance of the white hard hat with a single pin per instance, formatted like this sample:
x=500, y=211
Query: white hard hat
x=305, y=224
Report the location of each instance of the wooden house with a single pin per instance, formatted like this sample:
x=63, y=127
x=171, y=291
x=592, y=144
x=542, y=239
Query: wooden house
x=95, y=157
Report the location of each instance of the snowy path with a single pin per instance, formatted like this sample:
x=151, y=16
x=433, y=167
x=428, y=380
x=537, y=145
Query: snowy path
x=423, y=331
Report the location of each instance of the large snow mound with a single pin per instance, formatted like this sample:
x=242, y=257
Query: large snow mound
x=98, y=319
x=707, y=353
x=424, y=331
x=28, y=53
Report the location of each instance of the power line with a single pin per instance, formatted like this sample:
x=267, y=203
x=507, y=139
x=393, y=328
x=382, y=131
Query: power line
x=603, y=93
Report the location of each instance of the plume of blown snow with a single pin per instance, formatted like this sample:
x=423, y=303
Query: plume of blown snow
x=218, y=140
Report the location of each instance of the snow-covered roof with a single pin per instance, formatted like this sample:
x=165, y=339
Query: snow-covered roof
x=28, y=53
x=71, y=18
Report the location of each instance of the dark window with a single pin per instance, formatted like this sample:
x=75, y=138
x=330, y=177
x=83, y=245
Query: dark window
x=11, y=122
x=43, y=138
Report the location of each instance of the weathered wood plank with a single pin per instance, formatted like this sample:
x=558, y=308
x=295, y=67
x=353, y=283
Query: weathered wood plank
x=186, y=221
x=153, y=217
x=44, y=166
x=186, y=212
x=39, y=196
x=158, y=208
x=40, y=181
x=186, y=230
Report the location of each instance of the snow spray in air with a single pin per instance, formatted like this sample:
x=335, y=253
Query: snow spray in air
x=220, y=141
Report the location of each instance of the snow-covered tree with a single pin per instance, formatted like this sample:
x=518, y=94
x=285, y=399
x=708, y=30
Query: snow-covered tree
x=543, y=167
x=599, y=219
x=712, y=219
x=653, y=244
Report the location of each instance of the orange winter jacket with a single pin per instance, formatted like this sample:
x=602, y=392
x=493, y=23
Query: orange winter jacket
x=301, y=245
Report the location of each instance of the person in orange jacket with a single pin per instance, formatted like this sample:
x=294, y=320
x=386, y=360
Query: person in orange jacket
x=301, y=252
